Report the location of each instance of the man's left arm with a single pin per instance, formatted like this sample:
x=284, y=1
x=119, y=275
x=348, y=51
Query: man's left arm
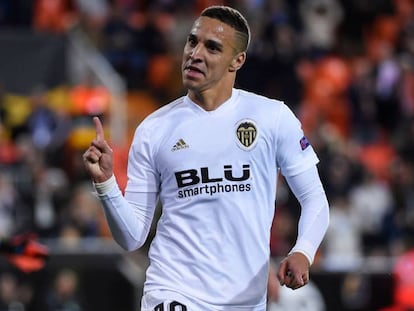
x=313, y=223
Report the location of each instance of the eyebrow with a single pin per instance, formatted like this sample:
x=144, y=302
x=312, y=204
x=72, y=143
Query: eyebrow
x=208, y=43
x=214, y=44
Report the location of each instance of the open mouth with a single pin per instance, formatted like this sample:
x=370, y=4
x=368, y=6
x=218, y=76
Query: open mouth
x=192, y=70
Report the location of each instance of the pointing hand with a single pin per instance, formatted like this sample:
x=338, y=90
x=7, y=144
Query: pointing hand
x=98, y=158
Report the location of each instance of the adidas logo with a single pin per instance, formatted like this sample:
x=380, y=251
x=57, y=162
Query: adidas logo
x=180, y=144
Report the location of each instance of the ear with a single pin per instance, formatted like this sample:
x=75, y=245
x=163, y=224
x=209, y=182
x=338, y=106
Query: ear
x=237, y=61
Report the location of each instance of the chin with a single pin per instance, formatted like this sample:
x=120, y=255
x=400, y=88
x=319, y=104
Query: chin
x=190, y=85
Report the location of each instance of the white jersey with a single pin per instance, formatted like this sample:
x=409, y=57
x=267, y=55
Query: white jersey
x=216, y=174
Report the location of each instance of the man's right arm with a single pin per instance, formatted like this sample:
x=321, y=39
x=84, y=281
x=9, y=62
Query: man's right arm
x=129, y=217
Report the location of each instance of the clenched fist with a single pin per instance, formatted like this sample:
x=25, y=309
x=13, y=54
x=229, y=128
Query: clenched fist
x=294, y=271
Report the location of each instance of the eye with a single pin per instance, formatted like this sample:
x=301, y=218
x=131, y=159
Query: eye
x=191, y=41
x=213, y=47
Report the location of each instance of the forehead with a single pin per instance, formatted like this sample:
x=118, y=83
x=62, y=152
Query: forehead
x=212, y=29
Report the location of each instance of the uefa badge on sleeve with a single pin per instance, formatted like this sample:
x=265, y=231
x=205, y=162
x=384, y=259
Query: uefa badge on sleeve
x=304, y=143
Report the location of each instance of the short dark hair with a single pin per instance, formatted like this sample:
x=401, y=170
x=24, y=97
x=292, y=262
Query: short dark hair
x=233, y=18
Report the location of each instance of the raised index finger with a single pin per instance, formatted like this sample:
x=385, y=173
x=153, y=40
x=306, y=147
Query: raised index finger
x=99, y=129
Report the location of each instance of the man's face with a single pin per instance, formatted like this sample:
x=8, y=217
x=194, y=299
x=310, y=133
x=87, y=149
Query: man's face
x=208, y=54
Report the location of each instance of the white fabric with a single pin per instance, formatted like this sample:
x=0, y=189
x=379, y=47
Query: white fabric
x=307, y=298
x=129, y=221
x=106, y=186
x=171, y=300
x=314, y=219
x=218, y=197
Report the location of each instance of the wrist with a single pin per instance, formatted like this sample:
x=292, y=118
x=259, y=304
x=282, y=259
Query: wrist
x=105, y=186
x=309, y=259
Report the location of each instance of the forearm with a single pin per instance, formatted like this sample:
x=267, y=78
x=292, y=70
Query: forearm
x=129, y=219
x=314, y=219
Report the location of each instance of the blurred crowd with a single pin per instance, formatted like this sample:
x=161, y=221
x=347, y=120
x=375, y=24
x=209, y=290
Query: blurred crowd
x=346, y=67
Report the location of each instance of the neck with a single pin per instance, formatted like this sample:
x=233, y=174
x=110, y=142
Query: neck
x=212, y=98
x=208, y=100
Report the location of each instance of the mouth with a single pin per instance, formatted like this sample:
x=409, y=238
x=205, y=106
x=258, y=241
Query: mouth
x=191, y=70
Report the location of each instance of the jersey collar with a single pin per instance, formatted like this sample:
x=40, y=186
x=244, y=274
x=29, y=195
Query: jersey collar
x=226, y=106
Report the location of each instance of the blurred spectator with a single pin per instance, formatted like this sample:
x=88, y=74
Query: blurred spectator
x=9, y=293
x=63, y=293
x=340, y=170
x=402, y=185
x=15, y=294
x=355, y=291
x=131, y=39
x=325, y=100
x=271, y=69
x=89, y=98
x=403, y=277
x=320, y=19
x=93, y=9
x=69, y=235
x=404, y=139
x=370, y=202
x=307, y=298
x=359, y=15
x=388, y=77
x=55, y=16
x=41, y=122
x=407, y=63
x=282, y=234
x=406, y=88
x=404, y=11
x=122, y=48
x=33, y=190
x=83, y=214
x=343, y=247
x=8, y=204
x=56, y=150
x=48, y=126
x=14, y=209
x=403, y=282
x=51, y=184
x=363, y=109
x=377, y=157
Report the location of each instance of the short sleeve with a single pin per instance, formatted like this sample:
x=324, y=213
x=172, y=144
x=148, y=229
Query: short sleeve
x=142, y=174
x=295, y=153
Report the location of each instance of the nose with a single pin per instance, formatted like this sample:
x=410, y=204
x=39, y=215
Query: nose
x=196, y=52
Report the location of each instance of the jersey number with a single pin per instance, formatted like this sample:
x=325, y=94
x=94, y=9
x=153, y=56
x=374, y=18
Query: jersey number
x=174, y=306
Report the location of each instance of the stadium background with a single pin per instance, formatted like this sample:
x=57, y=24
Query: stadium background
x=346, y=67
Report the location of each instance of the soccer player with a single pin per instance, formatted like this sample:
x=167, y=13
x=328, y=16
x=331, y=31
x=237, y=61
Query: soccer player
x=212, y=158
